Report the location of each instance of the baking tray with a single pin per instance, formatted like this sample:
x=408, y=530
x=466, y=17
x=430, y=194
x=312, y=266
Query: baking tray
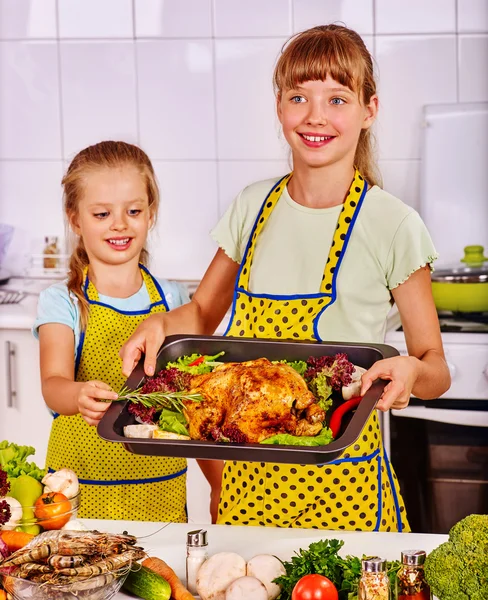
x=111, y=426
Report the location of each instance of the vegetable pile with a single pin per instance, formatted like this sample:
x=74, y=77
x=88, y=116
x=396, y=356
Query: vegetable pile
x=458, y=569
x=158, y=404
x=322, y=558
x=30, y=499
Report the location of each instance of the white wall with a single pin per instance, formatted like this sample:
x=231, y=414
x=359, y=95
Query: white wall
x=190, y=81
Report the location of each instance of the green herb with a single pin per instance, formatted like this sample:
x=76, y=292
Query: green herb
x=171, y=400
x=323, y=558
x=300, y=366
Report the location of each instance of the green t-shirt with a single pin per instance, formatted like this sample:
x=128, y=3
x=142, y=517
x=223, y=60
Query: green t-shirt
x=389, y=242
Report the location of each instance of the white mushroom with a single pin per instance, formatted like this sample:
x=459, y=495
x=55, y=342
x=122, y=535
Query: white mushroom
x=217, y=573
x=354, y=388
x=267, y=567
x=246, y=588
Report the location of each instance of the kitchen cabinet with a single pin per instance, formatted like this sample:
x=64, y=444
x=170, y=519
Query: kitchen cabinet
x=24, y=417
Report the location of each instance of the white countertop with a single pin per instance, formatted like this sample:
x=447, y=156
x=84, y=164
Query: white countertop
x=169, y=544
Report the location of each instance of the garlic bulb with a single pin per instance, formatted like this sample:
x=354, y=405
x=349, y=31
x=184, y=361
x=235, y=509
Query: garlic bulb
x=15, y=513
x=64, y=481
x=354, y=388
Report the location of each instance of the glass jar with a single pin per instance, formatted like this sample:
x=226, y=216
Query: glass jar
x=410, y=581
x=374, y=583
x=51, y=248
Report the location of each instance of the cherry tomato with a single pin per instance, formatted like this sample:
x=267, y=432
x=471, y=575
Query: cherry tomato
x=53, y=510
x=314, y=587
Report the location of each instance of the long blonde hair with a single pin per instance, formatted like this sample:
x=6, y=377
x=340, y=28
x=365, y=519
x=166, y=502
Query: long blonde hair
x=104, y=155
x=340, y=53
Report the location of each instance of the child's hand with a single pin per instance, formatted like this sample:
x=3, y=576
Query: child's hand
x=89, y=398
x=402, y=371
x=147, y=339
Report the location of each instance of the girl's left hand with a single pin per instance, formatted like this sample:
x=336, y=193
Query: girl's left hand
x=402, y=372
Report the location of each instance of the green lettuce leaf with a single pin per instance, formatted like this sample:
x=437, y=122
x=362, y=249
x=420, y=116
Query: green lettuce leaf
x=322, y=390
x=285, y=439
x=13, y=461
x=183, y=363
x=300, y=366
x=175, y=422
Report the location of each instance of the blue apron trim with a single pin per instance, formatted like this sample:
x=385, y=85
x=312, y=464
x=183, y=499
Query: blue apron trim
x=380, y=495
x=79, y=350
x=339, y=262
x=248, y=245
x=55, y=415
x=284, y=297
x=130, y=481
x=163, y=300
x=393, y=490
x=351, y=459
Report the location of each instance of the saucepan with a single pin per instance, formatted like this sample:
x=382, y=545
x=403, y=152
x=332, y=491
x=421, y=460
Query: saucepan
x=463, y=287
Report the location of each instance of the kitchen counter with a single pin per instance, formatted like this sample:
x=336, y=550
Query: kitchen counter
x=169, y=543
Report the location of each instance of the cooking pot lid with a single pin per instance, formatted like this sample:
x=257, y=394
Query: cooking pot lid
x=473, y=268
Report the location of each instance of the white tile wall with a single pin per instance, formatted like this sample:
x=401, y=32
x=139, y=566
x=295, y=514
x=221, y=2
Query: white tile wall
x=190, y=80
x=91, y=109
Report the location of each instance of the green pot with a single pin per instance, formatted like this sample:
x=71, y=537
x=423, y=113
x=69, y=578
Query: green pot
x=463, y=288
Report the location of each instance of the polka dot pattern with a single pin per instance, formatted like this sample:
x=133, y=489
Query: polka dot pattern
x=354, y=492
x=74, y=444
x=291, y=317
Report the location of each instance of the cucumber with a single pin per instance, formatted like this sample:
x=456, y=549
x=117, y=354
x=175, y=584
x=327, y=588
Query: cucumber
x=147, y=584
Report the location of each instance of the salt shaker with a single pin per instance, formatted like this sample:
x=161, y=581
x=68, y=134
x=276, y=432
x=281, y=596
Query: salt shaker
x=196, y=555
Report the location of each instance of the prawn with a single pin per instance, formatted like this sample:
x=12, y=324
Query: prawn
x=58, y=561
x=111, y=563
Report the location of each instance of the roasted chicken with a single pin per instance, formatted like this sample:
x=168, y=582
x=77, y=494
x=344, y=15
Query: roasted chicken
x=251, y=401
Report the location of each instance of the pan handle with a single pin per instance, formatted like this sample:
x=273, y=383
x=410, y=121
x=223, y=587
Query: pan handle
x=10, y=357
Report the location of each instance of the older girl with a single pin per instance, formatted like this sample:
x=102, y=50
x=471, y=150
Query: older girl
x=320, y=254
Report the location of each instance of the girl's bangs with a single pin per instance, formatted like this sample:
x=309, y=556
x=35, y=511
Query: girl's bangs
x=306, y=62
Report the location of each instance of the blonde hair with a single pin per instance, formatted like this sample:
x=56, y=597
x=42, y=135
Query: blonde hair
x=105, y=155
x=340, y=53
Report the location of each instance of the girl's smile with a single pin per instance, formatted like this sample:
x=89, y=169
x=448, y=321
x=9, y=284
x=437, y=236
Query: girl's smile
x=316, y=140
x=119, y=244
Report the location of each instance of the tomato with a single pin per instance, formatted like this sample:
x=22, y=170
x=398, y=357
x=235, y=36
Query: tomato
x=53, y=510
x=314, y=587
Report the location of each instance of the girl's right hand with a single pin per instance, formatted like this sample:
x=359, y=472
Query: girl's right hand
x=147, y=339
x=89, y=398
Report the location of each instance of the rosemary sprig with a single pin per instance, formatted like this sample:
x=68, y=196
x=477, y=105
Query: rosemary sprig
x=171, y=400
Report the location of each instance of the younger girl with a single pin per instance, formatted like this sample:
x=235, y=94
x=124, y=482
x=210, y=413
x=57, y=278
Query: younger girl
x=110, y=200
x=320, y=254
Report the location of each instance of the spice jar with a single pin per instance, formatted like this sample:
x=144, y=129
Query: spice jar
x=410, y=582
x=196, y=555
x=374, y=583
x=51, y=248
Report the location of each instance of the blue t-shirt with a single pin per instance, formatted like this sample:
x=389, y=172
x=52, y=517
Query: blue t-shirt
x=57, y=305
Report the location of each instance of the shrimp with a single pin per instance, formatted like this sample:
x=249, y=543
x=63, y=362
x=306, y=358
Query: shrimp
x=58, y=561
x=70, y=543
x=111, y=563
x=28, y=569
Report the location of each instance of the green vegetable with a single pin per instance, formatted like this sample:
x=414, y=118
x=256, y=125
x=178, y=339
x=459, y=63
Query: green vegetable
x=147, y=584
x=323, y=558
x=169, y=420
x=300, y=366
x=322, y=439
x=183, y=363
x=458, y=569
x=13, y=461
x=26, y=490
x=322, y=390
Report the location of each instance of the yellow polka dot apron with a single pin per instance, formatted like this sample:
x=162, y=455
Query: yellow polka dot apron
x=358, y=491
x=115, y=484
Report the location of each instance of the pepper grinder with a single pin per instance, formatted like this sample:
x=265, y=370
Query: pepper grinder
x=196, y=555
